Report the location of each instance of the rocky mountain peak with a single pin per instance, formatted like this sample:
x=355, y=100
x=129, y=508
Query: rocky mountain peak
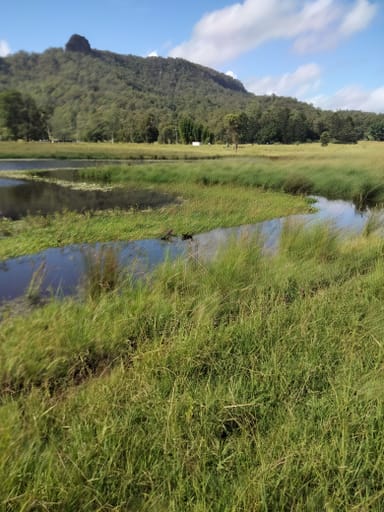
x=77, y=43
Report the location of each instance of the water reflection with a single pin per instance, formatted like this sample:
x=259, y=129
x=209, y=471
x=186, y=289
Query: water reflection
x=18, y=198
x=4, y=182
x=26, y=165
x=64, y=267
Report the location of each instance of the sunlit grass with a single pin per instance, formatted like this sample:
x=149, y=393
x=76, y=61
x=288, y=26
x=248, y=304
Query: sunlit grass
x=105, y=150
x=337, y=171
x=199, y=209
x=247, y=383
x=250, y=382
x=301, y=152
x=213, y=193
x=102, y=270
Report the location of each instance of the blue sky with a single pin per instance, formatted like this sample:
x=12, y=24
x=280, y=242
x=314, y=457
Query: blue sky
x=326, y=52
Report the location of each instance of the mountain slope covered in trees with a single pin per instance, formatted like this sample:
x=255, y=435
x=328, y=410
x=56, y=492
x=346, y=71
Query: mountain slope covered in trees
x=87, y=94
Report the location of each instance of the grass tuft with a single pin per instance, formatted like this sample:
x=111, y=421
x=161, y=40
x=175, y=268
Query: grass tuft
x=34, y=291
x=102, y=270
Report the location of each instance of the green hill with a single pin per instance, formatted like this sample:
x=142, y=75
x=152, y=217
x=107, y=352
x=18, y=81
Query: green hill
x=82, y=90
x=90, y=94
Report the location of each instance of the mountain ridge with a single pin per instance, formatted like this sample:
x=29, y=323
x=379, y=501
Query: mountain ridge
x=92, y=94
x=69, y=83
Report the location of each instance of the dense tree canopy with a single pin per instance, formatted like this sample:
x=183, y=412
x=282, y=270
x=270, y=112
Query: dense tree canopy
x=377, y=130
x=85, y=94
x=20, y=118
x=342, y=128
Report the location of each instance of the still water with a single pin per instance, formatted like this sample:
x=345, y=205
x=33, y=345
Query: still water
x=34, y=164
x=64, y=267
x=19, y=198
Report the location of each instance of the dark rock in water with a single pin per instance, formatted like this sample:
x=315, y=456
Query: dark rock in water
x=187, y=236
x=78, y=43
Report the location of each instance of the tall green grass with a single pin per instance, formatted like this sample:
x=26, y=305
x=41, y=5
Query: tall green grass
x=212, y=193
x=102, y=270
x=250, y=383
x=337, y=172
x=198, y=209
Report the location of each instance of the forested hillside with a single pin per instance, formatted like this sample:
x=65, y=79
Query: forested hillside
x=79, y=93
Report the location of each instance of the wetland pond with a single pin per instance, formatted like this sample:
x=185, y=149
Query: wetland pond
x=60, y=270
x=19, y=198
x=53, y=164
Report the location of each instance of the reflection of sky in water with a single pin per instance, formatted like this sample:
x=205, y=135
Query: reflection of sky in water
x=63, y=267
x=343, y=214
x=5, y=182
x=44, y=198
x=34, y=164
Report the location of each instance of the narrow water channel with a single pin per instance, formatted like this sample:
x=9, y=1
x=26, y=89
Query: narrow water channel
x=62, y=268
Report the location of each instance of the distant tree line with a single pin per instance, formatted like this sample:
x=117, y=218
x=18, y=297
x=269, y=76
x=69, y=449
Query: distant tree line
x=288, y=126
x=21, y=118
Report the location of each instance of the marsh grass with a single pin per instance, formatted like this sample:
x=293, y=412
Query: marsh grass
x=34, y=290
x=102, y=270
x=340, y=172
x=251, y=382
x=212, y=193
x=374, y=224
x=198, y=209
x=321, y=242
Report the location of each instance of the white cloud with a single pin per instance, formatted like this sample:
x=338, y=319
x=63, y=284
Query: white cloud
x=346, y=22
x=4, y=48
x=303, y=80
x=153, y=54
x=231, y=74
x=352, y=97
x=358, y=18
x=227, y=33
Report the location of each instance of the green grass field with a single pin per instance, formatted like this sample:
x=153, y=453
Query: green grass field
x=103, y=150
x=354, y=171
x=248, y=383
x=350, y=172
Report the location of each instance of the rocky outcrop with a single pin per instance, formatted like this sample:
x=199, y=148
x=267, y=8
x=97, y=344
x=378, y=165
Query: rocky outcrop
x=78, y=43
